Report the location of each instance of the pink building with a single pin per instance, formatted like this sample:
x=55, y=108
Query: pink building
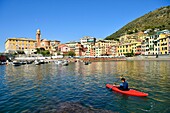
x=63, y=48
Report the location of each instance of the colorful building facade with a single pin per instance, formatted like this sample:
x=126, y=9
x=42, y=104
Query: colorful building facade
x=28, y=45
x=15, y=45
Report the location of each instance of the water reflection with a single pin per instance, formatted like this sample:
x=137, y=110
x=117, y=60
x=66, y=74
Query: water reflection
x=45, y=86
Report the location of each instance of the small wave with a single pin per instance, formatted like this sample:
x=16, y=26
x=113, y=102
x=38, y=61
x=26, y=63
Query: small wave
x=151, y=107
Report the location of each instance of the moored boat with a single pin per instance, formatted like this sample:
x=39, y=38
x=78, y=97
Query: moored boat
x=58, y=62
x=16, y=63
x=36, y=62
x=65, y=63
x=86, y=63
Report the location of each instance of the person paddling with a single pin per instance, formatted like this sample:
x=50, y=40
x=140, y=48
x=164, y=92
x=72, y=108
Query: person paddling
x=123, y=86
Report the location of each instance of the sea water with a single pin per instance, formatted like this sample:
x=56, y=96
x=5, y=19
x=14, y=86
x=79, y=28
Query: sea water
x=31, y=88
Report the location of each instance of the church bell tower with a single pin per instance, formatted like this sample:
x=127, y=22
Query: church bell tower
x=38, y=34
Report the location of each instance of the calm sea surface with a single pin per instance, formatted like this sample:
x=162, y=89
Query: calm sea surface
x=41, y=88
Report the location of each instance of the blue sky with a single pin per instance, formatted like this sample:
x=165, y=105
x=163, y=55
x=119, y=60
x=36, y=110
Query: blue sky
x=69, y=20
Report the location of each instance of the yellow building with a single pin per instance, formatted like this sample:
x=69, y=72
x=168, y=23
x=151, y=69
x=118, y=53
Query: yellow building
x=105, y=47
x=28, y=46
x=163, y=44
x=100, y=48
x=129, y=46
x=14, y=45
x=124, y=48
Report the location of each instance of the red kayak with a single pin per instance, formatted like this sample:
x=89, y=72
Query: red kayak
x=130, y=92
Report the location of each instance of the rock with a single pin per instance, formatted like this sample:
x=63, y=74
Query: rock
x=69, y=107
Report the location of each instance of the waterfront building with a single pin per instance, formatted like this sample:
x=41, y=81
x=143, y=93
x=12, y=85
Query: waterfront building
x=100, y=47
x=28, y=45
x=93, y=51
x=51, y=45
x=112, y=50
x=143, y=47
x=104, y=47
x=54, y=47
x=88, y=43
x=147, y=45
x=164, y=44
x=90, y=49
x=87, y=40
x=17, y=45
x=151, y=45
x=79, y=49
x=123, y=48
x=133, y=45
x=72, y=45
x=63, y=49
x=98, y=51
x=110, y=47
x=156, y=44
x=138, y=48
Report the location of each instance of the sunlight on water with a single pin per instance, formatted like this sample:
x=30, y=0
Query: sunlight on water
x=42, y=88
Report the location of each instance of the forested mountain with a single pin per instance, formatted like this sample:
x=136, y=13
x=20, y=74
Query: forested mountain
x=159, y=18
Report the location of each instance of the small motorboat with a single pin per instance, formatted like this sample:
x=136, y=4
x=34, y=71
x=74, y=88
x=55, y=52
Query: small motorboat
x=16, y=63
x=37, y=62
x=65, y=63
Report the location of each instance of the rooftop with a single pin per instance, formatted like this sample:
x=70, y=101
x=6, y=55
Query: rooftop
x=20, y=38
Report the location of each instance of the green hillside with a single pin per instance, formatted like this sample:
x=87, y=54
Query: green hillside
x=159, y=18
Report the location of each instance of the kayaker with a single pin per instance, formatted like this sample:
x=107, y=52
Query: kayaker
x=124, y=85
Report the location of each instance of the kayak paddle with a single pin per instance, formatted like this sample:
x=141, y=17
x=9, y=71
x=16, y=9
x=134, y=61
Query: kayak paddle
x=116, y=81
